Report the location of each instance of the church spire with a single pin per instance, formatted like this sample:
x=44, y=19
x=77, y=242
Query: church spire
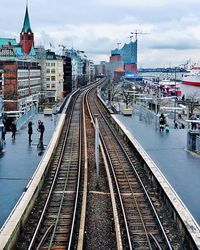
x=26, y=27
x=26, y=35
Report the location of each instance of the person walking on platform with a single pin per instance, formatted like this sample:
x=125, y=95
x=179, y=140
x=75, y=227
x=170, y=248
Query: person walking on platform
x=13, y=129
x=162, y=122
x=30, y=131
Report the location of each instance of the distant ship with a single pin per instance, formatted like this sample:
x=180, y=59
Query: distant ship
x=192, y=77
x=170, y=88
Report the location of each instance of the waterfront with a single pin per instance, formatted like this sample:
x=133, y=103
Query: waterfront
x=185, y=89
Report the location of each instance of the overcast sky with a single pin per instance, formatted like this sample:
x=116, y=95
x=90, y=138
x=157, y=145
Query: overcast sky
x=96, y=26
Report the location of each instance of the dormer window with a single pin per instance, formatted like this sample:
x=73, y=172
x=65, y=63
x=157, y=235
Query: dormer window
x=22, y=32
x=29, y=33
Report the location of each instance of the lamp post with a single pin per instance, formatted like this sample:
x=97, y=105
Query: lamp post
x=175, y=95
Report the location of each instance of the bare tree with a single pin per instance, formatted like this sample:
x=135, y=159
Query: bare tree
x=192, y=101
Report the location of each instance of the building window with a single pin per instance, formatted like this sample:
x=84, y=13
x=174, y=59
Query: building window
x=48, y=78
x=48, y=86
x=52, y=64
x=53, y=86
x=53, y=78
x=48, y=71
x=53, y=71
x=48, y=64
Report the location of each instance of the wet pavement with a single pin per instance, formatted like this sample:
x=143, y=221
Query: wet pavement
x=19, y=161
x=169, y=152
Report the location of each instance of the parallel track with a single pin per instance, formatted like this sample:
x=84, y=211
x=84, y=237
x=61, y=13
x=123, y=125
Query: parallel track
x=56, y=216
x=59, y=211
x=143, y=227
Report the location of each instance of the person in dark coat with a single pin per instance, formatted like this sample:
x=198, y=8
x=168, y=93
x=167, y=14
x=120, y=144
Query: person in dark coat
x=30, y=131
x=41, y=129
x=13, y=129
x=162, y=122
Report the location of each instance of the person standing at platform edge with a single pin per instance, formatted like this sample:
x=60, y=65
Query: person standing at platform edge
x=13, y=129
x=41, y=130
x=162, y=122
x=30, y=131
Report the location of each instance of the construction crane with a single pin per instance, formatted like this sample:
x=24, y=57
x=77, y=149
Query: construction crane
x=61, y=45
x=136, y=33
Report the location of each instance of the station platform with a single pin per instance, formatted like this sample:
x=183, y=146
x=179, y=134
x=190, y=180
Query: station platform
x=169, y=151
x=20, y=160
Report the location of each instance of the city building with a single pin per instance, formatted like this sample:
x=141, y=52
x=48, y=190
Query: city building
x=21, y=74
x=128, y=55
x=53, y=84
x=91, y=71
x=122, y=62
x=67, y=71
x=77, y=66
x=83, y=70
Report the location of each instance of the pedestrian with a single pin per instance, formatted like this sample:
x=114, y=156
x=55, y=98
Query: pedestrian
x=166, y=128
x=30, y=131
x=175, y=125
x=13, y=129
x=182, y=126
x=162, y=122
x=4, y=131
x=38, y=128
x=42, y=129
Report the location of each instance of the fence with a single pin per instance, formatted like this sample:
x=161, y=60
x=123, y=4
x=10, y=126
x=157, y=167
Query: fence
x=25, y=117
x=198, y=143
x=146, y=115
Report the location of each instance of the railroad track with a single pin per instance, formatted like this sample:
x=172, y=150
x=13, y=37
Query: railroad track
x=54, y=218
x=59, y=196
x=144, y=229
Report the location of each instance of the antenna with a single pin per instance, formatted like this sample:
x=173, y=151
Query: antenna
x=136, y=33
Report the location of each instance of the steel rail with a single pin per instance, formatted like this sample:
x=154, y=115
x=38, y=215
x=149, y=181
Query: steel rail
x=53, y=183
x=118, y=191
x=78, y=183
x=85, y=182
x=140, y=181
x=104, y=148
x=113, y=199
x=62, y=199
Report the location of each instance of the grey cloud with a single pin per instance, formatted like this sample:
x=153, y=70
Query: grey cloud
x=172, y=24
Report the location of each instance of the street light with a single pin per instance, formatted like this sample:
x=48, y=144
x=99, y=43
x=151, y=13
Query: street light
x=175, y=95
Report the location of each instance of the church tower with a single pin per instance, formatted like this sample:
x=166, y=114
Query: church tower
x=26, y=35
